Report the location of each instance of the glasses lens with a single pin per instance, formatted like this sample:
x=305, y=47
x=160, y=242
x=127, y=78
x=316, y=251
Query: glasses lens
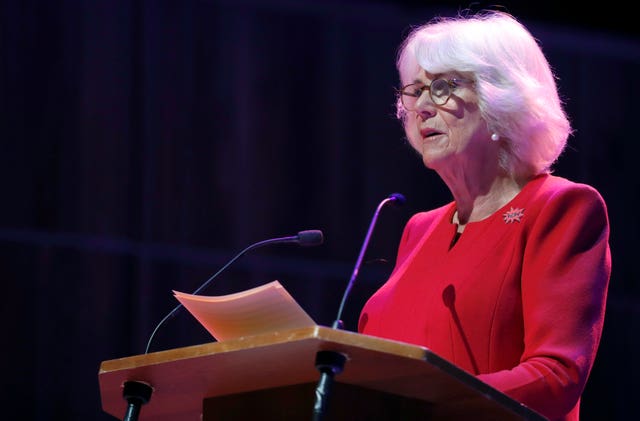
x=440, y=91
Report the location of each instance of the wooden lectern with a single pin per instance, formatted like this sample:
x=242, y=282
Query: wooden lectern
x=273, y=377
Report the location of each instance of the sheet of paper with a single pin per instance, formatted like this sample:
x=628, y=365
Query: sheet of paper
x=263, y=309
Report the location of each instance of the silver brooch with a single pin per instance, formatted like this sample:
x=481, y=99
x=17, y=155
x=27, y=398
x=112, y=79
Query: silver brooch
x=513, y=215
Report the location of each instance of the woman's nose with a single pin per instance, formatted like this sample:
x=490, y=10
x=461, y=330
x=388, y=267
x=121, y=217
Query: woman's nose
x=425, y=107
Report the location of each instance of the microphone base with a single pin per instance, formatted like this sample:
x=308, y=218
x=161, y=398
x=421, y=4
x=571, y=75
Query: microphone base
x=136, y=395
x=338, y=324
x=329, y=363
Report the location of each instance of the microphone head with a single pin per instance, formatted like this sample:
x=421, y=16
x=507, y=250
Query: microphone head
x=310, y=238
x=397, y=199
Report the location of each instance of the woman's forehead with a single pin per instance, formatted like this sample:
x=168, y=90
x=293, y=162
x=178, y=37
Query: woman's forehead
x=421, y=75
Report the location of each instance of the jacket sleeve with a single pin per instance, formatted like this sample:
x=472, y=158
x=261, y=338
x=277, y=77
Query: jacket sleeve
x=565, y=276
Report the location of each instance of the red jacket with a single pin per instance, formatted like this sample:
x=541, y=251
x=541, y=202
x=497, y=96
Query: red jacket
x=519, y=300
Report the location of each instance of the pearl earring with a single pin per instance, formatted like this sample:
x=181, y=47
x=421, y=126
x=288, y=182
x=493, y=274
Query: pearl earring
x=495, y=137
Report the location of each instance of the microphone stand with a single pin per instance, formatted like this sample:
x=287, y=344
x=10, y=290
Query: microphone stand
x=303, y=238
x=330, y=363
x=136, y=394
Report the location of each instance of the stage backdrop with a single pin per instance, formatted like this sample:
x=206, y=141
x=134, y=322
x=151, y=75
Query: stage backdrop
x=145, y=143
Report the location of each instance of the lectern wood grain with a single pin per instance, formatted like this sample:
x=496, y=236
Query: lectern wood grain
x=256, y=367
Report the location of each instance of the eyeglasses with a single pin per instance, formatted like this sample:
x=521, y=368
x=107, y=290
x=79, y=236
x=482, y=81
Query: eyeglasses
x=440, y=91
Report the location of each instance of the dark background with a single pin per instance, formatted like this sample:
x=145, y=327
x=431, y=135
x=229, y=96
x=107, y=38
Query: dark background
x=145, y=143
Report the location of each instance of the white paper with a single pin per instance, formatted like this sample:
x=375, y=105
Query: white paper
x=263, y=309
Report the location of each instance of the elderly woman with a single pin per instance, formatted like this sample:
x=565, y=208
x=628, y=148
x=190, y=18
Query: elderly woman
x=509, y=280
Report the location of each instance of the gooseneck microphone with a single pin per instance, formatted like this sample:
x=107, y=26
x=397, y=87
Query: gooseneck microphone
x=307, y=238
x=330, y=363
x=395, y=198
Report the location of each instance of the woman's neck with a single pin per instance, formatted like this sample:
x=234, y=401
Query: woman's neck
x=475, y=202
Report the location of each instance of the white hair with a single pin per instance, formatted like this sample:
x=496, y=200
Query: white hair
x=516, y=88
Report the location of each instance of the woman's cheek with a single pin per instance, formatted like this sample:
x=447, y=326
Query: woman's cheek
x=413, y=136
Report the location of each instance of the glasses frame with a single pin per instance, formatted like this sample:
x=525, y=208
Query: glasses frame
x=452, y=83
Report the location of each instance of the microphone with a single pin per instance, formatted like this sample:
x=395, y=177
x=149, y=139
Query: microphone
x=309, y=238
x=328, y=362
x=394, y=198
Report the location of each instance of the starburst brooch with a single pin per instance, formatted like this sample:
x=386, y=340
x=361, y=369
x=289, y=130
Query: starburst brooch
x=513, y=215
